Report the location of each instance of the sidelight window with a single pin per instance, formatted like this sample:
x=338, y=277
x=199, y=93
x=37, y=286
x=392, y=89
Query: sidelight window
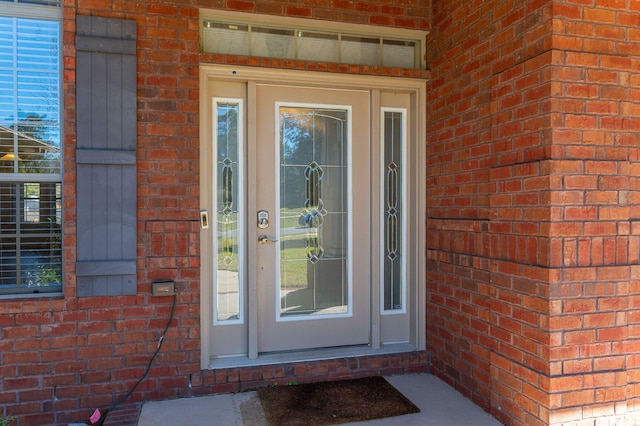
x=229, y=246
x=393, y=262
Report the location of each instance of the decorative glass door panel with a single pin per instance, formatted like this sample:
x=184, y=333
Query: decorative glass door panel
x=314, y=261
x=314, y=257
x=393, y=260
x=397, y=219
x=229, y=241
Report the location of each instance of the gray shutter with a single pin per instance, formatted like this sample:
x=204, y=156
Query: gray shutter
x=106, y=156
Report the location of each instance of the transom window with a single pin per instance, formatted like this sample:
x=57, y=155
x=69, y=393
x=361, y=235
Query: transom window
x=284, y=38
x=30, y=147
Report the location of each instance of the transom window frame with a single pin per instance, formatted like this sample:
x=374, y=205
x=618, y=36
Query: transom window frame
x=299, y=26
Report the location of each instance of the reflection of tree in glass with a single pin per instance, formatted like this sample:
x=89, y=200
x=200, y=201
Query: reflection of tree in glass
x=296, y=153
x=45, y=160
x=308, y=136
x=33, y=125
x=37, y=150
x=227, y=155
x=227, y=131
x=296, y=135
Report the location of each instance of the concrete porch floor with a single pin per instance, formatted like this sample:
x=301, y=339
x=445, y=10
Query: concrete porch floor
x=440, y=405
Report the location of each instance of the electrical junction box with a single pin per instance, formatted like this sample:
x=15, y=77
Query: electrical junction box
x=162, y=288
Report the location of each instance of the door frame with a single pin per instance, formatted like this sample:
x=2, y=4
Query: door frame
x=416, y=288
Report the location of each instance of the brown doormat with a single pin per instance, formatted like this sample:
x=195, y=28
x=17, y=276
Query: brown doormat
x=328, y=403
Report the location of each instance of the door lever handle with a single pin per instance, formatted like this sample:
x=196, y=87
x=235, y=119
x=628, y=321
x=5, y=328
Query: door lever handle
x=263, y=239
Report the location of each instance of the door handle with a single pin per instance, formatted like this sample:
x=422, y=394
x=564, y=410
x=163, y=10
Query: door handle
x=263, y=239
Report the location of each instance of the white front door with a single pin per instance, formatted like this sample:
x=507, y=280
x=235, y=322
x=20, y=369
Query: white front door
x=313, y=256
x=312, y=201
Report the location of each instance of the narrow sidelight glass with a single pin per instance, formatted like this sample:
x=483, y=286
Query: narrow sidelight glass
x=228, y=238
x=393, y=259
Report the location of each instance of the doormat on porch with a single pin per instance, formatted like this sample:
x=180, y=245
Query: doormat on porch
x=328, y=403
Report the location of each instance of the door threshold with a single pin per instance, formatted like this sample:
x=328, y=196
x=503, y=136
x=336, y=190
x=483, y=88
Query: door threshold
x=308, y=355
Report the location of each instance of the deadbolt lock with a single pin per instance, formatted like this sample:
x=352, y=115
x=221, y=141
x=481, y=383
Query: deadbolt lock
x=263, y=219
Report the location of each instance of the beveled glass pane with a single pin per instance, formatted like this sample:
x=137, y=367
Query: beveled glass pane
x=228, y=241
x=313, y=210
x=393, y=283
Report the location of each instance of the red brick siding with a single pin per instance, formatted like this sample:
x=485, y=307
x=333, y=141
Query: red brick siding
x=60, y=358
x=533, y=173
x=489, y=128
x=533, y=242
x=595, y=239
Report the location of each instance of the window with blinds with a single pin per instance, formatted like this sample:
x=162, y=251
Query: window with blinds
x=30, y=147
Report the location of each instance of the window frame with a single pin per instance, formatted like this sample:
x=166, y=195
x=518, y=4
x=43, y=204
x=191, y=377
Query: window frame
x=50, y=12
x=279, y=23
x=240, y=210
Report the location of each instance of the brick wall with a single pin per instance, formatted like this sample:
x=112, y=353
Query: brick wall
x=595, y=245
x=60, y=358
x=533, y=205
x=488, y=166
x=533, y=175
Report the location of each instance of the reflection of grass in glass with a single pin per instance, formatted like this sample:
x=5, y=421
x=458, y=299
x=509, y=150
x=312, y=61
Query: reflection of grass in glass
x=293, y=273
x=232, y=266
x=289, y=218
x=293, y=267
x=293, y=264
x=230, y=250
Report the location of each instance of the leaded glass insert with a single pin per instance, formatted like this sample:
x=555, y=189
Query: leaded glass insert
x=228, y=232
x=392, y=259
x=313, y=210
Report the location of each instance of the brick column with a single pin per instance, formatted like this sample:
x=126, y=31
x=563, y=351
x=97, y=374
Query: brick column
x=533, y=246
x=595, y=239
x=489, y=152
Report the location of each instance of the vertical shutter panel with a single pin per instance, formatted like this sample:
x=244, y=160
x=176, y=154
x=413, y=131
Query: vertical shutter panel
x=106, y=156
